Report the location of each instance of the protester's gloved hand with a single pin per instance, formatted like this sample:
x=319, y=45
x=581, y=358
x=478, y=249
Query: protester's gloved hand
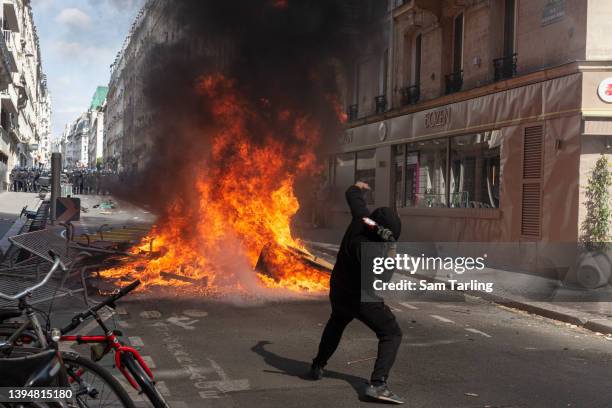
x=362, y=185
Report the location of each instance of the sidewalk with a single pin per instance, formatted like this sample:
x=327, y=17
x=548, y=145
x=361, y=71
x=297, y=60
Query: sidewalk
x=11, y=204
x=511, y=289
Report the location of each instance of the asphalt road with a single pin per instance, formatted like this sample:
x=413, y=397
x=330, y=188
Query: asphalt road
x=468, y=353
x=95, y=213
x=461, y=354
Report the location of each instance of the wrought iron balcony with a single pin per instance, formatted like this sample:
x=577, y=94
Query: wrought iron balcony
x=352, y=112
x=505, y=67
x=410, y=94
x=381, y=103
x=454, y=82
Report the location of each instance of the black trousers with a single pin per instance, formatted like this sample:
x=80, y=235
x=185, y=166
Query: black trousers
x=377, y=316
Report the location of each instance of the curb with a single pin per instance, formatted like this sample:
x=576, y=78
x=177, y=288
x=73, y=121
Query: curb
x=576, y=318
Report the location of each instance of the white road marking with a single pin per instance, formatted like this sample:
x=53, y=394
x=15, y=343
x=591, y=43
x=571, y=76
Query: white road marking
x=478, y=332
x=121, y=311
x=209, y=394
x=136, y=341
x=408, y=306
x=434, y=343
x=195, y=313
x=150, y=362
x=394, y=309
x=222, y=375
x=150, y=314
x=163, y=388
x=183, y=372
x=442, y=319
x=182, y=321
x=225, y=386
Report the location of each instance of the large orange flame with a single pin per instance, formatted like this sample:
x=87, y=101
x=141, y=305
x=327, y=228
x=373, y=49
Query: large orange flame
x=244, y=205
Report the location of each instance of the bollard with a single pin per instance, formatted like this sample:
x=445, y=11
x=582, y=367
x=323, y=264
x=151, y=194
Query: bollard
x=56, y=174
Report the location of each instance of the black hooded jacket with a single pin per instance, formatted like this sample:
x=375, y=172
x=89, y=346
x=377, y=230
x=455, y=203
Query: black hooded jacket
x=346, y=275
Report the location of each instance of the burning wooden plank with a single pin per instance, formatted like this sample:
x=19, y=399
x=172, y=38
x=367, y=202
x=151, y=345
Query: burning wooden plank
x=268, y=262
x=173, y=276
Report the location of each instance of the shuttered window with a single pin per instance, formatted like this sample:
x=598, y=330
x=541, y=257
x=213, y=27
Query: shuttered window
x=531, y=202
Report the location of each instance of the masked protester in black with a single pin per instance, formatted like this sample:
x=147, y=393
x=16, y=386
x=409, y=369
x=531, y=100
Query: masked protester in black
x=345, y=296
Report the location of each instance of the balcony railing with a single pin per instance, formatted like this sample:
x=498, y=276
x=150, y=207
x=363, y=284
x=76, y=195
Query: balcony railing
x=454, y=82
x=352, y=112
x=505, y=67
x=410, y=94
x=381, y=103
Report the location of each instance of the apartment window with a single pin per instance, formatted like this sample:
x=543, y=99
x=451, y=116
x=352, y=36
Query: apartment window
x=416, y=78
x=509, y=27
x=359, y=166
x=458, y=44
x=475, y=170
x=385, y=72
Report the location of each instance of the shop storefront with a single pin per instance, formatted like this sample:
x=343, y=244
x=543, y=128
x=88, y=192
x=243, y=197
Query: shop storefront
x=505, y=166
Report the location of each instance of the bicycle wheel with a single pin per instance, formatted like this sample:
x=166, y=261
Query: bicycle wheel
x=146, y=385
x=93, y=385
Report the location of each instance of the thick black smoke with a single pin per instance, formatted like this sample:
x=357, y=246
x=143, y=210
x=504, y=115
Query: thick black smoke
x=288, y=53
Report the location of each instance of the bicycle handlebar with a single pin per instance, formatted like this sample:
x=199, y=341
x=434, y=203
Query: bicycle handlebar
x=78, y=319
x=57, y=263
x=113, y=298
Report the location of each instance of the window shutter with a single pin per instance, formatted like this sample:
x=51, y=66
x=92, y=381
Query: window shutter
x=531, y=202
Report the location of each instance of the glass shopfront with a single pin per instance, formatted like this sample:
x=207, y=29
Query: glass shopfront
x=456, y=172
x=356, y=166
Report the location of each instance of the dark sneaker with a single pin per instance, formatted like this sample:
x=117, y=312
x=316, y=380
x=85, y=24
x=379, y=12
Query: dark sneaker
x=316, y=372
x=383, y=393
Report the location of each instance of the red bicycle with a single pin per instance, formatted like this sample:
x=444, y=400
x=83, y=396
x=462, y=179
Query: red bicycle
x=127, y=359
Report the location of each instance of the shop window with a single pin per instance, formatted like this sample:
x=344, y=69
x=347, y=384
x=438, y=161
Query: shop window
x=352, y=167
x=411, y=186
x=399, y=154
x=475, y=170
x=427, y=166
x=366, y=171
x=420, y=171
x=345, y=170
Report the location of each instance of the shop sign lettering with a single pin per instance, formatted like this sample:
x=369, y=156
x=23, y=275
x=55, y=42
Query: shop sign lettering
x=347, y=137
x=437, y=118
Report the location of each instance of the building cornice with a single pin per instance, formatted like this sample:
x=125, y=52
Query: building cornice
x=491, y=88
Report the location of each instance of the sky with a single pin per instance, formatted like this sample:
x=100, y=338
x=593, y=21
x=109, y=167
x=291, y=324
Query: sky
x=79, y=40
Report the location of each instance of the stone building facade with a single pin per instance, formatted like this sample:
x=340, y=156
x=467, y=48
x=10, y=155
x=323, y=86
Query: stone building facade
x=25, y=103
x=480, y=120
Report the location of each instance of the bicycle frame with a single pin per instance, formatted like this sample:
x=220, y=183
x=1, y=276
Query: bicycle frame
x=110, y=340
x=31, y=323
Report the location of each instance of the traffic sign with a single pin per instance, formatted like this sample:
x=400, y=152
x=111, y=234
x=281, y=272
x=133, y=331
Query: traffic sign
x=68, y=209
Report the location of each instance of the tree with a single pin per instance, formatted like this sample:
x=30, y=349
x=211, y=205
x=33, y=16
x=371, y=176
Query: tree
x=596, y=226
